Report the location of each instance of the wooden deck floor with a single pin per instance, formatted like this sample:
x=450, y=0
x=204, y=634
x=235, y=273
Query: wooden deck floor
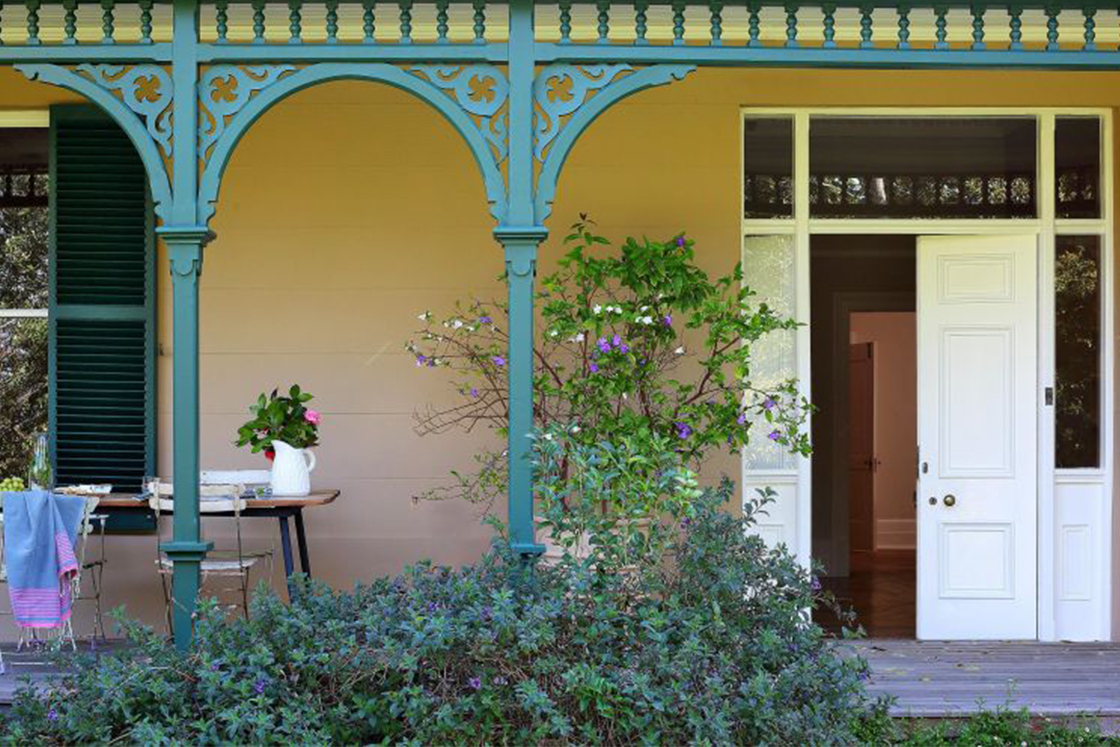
x=947, y=679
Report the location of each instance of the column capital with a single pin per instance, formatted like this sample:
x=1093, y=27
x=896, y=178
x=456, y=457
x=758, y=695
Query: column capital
x=184, y=249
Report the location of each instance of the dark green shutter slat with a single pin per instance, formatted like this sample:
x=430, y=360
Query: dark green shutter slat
x=102, y=268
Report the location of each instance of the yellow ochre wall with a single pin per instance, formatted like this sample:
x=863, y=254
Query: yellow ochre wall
x=350, y=208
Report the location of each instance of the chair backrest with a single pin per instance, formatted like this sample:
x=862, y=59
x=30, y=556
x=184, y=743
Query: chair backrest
x=235, y=477
x=213, y=499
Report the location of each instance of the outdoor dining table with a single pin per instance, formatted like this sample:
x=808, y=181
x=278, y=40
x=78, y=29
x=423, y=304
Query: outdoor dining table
x=280, y=508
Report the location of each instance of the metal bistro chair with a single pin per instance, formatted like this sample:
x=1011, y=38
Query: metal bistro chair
x=228, y=564
x=95, y=568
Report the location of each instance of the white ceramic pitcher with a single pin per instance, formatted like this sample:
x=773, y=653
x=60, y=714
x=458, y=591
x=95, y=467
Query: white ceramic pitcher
x=291, y=470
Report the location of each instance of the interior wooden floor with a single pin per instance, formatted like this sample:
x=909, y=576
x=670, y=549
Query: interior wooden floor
x=880, y=591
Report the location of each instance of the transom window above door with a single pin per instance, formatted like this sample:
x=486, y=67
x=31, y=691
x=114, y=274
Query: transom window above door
x=906, y=167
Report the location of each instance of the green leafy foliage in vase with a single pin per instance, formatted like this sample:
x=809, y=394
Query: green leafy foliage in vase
x=634, y=342
x=277, y=417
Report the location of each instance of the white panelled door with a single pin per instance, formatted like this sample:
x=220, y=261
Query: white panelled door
x=977, y=430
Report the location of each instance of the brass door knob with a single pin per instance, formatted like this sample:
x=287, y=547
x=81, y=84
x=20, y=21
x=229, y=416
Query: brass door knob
x=949, y=500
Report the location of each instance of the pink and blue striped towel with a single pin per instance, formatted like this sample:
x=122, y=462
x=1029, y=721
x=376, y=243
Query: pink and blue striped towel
x=39, y=537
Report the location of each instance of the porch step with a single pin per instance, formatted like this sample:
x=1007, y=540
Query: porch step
x=949, y=679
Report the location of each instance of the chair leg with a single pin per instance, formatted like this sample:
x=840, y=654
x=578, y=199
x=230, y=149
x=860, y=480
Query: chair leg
x=99, y=619
x=245, y=592
x=166, y=603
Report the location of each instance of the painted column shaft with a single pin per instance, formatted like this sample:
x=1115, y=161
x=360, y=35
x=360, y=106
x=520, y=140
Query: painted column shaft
x=521, y=262
x=186, y=550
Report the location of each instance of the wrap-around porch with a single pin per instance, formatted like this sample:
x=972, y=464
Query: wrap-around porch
x=519, y=83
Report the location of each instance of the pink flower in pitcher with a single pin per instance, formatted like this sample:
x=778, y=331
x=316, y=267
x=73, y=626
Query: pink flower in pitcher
x=312, y=416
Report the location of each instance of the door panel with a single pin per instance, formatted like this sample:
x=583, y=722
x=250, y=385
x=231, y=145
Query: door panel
x=977, y=499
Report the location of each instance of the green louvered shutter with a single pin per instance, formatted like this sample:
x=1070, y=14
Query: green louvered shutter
x=102, y=304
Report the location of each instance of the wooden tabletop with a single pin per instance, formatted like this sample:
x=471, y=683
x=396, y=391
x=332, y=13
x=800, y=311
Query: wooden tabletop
x=317, y=498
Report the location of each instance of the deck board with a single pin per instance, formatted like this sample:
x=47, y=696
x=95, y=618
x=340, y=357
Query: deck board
x=938, y=679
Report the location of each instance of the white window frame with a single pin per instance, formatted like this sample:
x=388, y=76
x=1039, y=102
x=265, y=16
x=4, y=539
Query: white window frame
x=1052, y=624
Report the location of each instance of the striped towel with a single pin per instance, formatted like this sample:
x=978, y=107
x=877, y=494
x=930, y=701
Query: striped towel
x=39, y=535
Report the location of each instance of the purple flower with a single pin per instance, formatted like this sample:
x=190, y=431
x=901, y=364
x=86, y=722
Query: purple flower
x=668, y=320
x=421, y=359
x=616, y=340
x=604, y=345
x=774, y=435
x=485, y=320
x=624, y=348
x=487, y=613
x=742, y=419
x=680, y=241
x=684, y=430
x=594, y=367
x=52, y=715
x=258, y=686
x=475, y=683
x=432, y=606
x=214, y=667
x=474, y=391
x=816, y=584
x=498, y=360
x=500, y=680
x=769, y=404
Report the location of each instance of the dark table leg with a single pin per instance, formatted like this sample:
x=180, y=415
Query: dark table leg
x=286, y=547
x=301, y=539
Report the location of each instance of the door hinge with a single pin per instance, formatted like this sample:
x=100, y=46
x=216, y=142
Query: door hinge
x=1049, y=396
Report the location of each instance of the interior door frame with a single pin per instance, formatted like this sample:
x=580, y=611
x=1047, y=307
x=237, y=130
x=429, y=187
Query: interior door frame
x=844, y=304
x=1046, y=227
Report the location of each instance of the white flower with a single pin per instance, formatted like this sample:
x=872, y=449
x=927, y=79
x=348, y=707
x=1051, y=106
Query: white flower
x=548, y=437
x=599, y=309
x=577, y=338
x=456, y=324
x=425, y=316
x=553, y=333
x=680, y=350
x=646, y=320
x=618, y=309
x=645, y=308
x=575, y=429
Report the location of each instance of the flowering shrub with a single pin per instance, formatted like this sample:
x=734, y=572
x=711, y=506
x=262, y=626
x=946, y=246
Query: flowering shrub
x=280, y=418
x=637, y=343
x=715, y=649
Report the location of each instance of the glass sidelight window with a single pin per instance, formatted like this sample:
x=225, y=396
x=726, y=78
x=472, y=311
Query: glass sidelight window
x=1077, y=329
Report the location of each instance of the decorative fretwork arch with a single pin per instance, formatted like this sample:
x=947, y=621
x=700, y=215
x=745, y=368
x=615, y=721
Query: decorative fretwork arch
x=446, y=88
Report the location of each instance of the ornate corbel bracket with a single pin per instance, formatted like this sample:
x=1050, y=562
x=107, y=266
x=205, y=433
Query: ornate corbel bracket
x=145, y=89
x=482, y=92
x=139, y=98
x=224, y=90
x=567, y=99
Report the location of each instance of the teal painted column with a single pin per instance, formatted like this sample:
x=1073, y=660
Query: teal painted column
x=520, y=236
x=520, y=246
x=186, y=550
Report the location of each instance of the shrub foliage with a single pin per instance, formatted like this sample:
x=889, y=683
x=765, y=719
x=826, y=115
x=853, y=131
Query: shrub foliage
x=713, y=648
